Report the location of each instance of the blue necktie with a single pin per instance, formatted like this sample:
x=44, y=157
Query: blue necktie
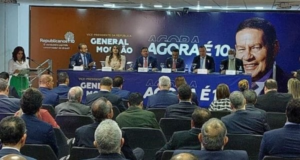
x=84, y=61
x=201, y=62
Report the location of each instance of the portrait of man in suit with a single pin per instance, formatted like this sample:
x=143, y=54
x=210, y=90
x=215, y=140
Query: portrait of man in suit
x=175, y=62
x=203, y=61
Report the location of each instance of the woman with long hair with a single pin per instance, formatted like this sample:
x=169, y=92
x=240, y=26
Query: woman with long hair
x=222, y=103
x=115, y=60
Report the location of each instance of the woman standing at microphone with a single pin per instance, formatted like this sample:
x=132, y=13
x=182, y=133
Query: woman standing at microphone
x=15, y=67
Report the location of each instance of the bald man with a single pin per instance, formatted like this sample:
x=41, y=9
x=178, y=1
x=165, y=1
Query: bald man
x=45, y=87
x=13, y=157
x=184, y=156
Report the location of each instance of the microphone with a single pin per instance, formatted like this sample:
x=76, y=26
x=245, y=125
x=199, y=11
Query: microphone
x=38, y=65
x=30, y=59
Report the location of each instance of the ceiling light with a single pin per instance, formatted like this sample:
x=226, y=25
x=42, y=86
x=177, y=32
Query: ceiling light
x=259, y=7
x=169, y=7
x=57, y=4
x=141, y=6
x=158, y=6
x=207, y=7
x=108, y=5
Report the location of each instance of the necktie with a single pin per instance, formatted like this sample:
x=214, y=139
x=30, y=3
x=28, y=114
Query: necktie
x=201, y=62
x=174, y=64
x=145, y=63
x=84, y=61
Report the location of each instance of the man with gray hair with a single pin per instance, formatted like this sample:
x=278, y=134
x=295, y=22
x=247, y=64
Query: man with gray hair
x=7, y=105
x=243, y=121
x=251, y=98
x=213, y=139
x=73, y=105
x=164, y=97
x=231, y=63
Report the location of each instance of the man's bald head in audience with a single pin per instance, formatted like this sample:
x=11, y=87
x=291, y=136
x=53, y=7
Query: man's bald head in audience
x=13, y=157
x=75, y=94
x=46, y=81
x=102, y=109
x=184, y=156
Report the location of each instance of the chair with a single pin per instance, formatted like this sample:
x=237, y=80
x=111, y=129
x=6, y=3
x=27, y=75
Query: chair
x=159, y=112
x=3, y=115
x=247, y=142
x=171, y=125
x=69, y=123
x=79, y=153
x=149, y=139
x=219, y=114
x=50, y=109
x=279, y=158
x=62, y=143
x=125, y=102
x=62, y=100
x=167, y=155
x=276, y=119
x=116, y=112
x=38, y=151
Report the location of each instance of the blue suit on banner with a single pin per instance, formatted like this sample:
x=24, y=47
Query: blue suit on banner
x=140, y=62
x=77, y=58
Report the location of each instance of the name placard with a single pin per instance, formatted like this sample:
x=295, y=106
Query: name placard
x=230, y=72
x=202, y=71
x=166, y=70
x=106, y=69
x=141, y=69
x=78, y=68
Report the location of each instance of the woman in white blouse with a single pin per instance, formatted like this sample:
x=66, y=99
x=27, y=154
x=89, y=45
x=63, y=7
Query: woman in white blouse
x=115, y=60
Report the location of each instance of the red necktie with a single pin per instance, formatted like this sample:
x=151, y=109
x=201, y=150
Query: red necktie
x=174, y=64
x=145, y=63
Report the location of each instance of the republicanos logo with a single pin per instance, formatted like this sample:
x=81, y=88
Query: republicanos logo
x=69, y=38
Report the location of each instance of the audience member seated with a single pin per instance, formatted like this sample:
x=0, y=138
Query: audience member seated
x=14, y=157
x=175, y=62
x=73, y=106
x=187, y=139
x=222, y=103
x=108, y=141
x=181, y=80
x=251, y=98
x=115, y=60
x=135, y=116
x=164, y=97
x=243, y=121
x=272, y=101
x=185, y=107
x=117, y=88
x=45, y=87
x=243, y=85
x=7, y=105
x=63, y=88
x=13, y=136
x=213, y=139
x=38, y=132
x=105, y=91
x=12, y=90
x=285, y=141
x=101, y=110
x=184, y=156
x=294, y=87
x=145, y=60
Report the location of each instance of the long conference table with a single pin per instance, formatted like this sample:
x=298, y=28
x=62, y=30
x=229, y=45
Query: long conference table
x=146, y=83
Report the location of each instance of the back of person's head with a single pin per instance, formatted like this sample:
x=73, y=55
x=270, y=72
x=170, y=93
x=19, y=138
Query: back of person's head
x=108, y=137
x=31, y=101
x=164, y=82
x=293, y=111
x=179, y=81
x=62, y=77
x=4, y=75
x=250, y=96
x=243, y=85
x=106, y=81
x=118, y=81
x=102, y=109
x=135, y=99
x=271, y=84
x=213, y=135
x=222, y=91
x=294, y=87
x=75, y=94
x=200, y=116
x=3, y=85
x=184, y=156
x=184, y=92
x=45, y=80
x=237, y=100
x=12, y=129
x=13, y=157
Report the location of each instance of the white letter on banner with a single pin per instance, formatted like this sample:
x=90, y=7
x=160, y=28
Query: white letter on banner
x=159, y=47
x=152, y=48
x=214, y=92
x=194, y=50
x=183, y=48
x=93, y=41
x=82, y=85
x=149, y=92
x=208, y=47
x=205, y=94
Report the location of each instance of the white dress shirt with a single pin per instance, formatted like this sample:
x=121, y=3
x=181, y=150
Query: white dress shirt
x=12, y=65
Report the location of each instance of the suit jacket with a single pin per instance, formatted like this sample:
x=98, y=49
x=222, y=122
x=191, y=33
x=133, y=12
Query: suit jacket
x=84, y=137
x=216, y=155
x=49, y=96
x=162, y=98
x=114, y=99
x=39, y=132
x=245, y=122
x=140, y=61
x=136, y=117
x=7, y=151
x=182, y=140
x=282, y=142
x=251, y=107
x=9, y=105
x=179, y=64
x=194, y=97
x=238, y=64
x=124, y=94
x=78, y=60
x=182, y=110
x=13, y=92
x=62, y=91
x=209, y=63
x=273, y=101
x=74, y=108
x=113, y=156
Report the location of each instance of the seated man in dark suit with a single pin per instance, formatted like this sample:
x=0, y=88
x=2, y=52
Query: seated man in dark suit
x=73, y=105
x=203, y=61
x=63, y=88
x=145, y=60
x=213, y=139
x=231, y=63
x=175, y=62
x=117, y=88
x=243, y=121
x=7, y=105
x=180, y=80
x=187, y=139
x=251, y=99
x=45, y=87
x=38, y=132
x=13, y=136
x=272, y=101
x=164, y=97
x=82, y=58
x=184, y=156
x=12, y=90
x=285, y=141
x=185, y=107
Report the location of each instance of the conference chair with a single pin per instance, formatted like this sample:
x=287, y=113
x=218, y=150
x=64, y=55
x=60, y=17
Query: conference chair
x=276, y=119
x=159, y=112
x=50, y=109
x=116, y=112
x=149, y=139
x=38, y=151
x=62, y=143
x=69, y=123
x=125, y=102
x=3, y=115
x=62, y=100
x=79, y=153
x=219, y=114
x=171, y=125
x=279, y=158
x=167, y=155
x=247, y=142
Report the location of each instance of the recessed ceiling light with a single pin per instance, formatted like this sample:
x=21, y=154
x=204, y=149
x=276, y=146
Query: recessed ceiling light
x=141, y=6
x=57, y=4
x=207, y=7
x=169, y=7
x=87, y=0
x=158, y=6
x=259, y=7
x=108, y=5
